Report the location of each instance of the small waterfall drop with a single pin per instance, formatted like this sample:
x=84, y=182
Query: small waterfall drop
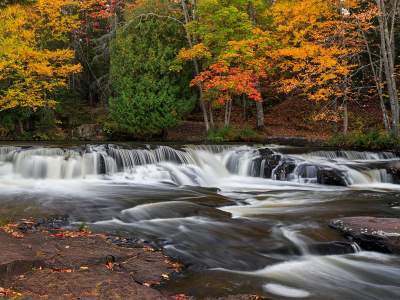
x=202, y=165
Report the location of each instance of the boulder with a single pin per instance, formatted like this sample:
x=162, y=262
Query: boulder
x=89, y=132
x=331, y=177
x=370, y=233
x=285, y=168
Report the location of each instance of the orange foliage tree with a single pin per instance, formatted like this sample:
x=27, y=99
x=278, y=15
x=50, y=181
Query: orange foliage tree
x=314, y=57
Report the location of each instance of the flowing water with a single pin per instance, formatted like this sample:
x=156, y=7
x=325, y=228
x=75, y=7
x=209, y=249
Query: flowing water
x=243, y=219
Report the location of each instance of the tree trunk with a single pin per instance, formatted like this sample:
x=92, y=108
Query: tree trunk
x=195, y=62
x=260, y=115
x=259, y=105
x=20, y=127
x=345, y=118
x=377, y=74
x=228, y=111
x=244, y=107
x=388, y=63
x=210, y=109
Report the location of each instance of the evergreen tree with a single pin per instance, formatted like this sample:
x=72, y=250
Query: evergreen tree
x=148, y=95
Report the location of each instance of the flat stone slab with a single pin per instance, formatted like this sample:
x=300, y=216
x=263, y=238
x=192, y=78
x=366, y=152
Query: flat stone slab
x=42, y=261
x=68, y=265
x=370, y=233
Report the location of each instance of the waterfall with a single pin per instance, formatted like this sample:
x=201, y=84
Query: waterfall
x=201, y=165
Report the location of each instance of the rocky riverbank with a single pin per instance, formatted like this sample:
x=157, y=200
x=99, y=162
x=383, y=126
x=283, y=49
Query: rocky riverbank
x=41, y=260
x=37, y=261
x=372, y=234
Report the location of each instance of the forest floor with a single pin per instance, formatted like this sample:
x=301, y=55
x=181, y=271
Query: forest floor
x=288, y=121
x=39, y=260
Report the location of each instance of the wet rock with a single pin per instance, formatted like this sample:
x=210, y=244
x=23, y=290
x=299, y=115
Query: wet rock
x=265, y=152
x=324, y=175
x=266, y=163
x=285, y=168
x=331, y=177
x=394, y=171
x=370, y=233
x=326, y=248
x=331, y=248
x=68, y=265
x=171, y=209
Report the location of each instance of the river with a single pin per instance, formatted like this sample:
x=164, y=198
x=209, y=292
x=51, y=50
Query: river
x=243, y=219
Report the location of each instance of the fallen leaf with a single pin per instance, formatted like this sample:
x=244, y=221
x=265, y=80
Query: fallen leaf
x=72, y=234
x=175, y=265
x=12, y=229
x=84, y=268
x=181, y=297
x=4, y=292
x=147, y=284
x=165, y=276
x=110, y=265
x=151, y=283
x=17, y=235
x=56, y=270
x=148, y=249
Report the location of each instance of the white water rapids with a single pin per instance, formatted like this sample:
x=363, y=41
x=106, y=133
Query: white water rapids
x=195, y=165
x=244, y=219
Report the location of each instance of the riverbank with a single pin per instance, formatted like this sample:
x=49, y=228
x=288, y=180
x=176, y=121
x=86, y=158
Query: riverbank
x=41, y=259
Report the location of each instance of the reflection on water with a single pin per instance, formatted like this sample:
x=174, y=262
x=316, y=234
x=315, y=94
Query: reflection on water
x=243, y=219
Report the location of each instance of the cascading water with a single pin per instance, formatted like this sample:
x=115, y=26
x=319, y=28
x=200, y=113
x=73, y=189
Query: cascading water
x=247, y=219
x=202, y=165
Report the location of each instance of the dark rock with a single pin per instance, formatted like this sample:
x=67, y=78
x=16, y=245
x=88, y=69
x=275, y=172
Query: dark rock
x=323, y=174
x=266, y=152
x=327, y=248
x=394, y=171
x=331, y=248
x=370, y=233
x=331, y=177
x=266, y=163
x=285, y=168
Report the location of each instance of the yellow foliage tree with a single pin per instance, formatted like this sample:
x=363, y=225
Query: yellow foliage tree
x=313, y=56
x=34, y=62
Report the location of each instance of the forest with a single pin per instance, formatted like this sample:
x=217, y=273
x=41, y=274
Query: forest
x=240, y=69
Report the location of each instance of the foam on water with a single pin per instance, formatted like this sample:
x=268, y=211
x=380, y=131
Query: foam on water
x=285, y=291
x=213, y=166
x=353, y=274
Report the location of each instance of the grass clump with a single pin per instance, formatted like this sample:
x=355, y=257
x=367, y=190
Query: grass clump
x=233, y=134
x=373, y=140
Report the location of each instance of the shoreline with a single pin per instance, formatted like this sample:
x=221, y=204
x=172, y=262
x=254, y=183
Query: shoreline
x=43, y=258
x=297, y=142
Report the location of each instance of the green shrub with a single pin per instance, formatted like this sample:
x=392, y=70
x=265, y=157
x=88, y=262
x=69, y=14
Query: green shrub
x=233, y=134
x=373, y=140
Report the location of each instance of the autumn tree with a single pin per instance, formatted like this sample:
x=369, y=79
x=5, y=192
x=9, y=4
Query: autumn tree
x=99, y=21
x=316, y=50
x=35, y=61
x=218, y=26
